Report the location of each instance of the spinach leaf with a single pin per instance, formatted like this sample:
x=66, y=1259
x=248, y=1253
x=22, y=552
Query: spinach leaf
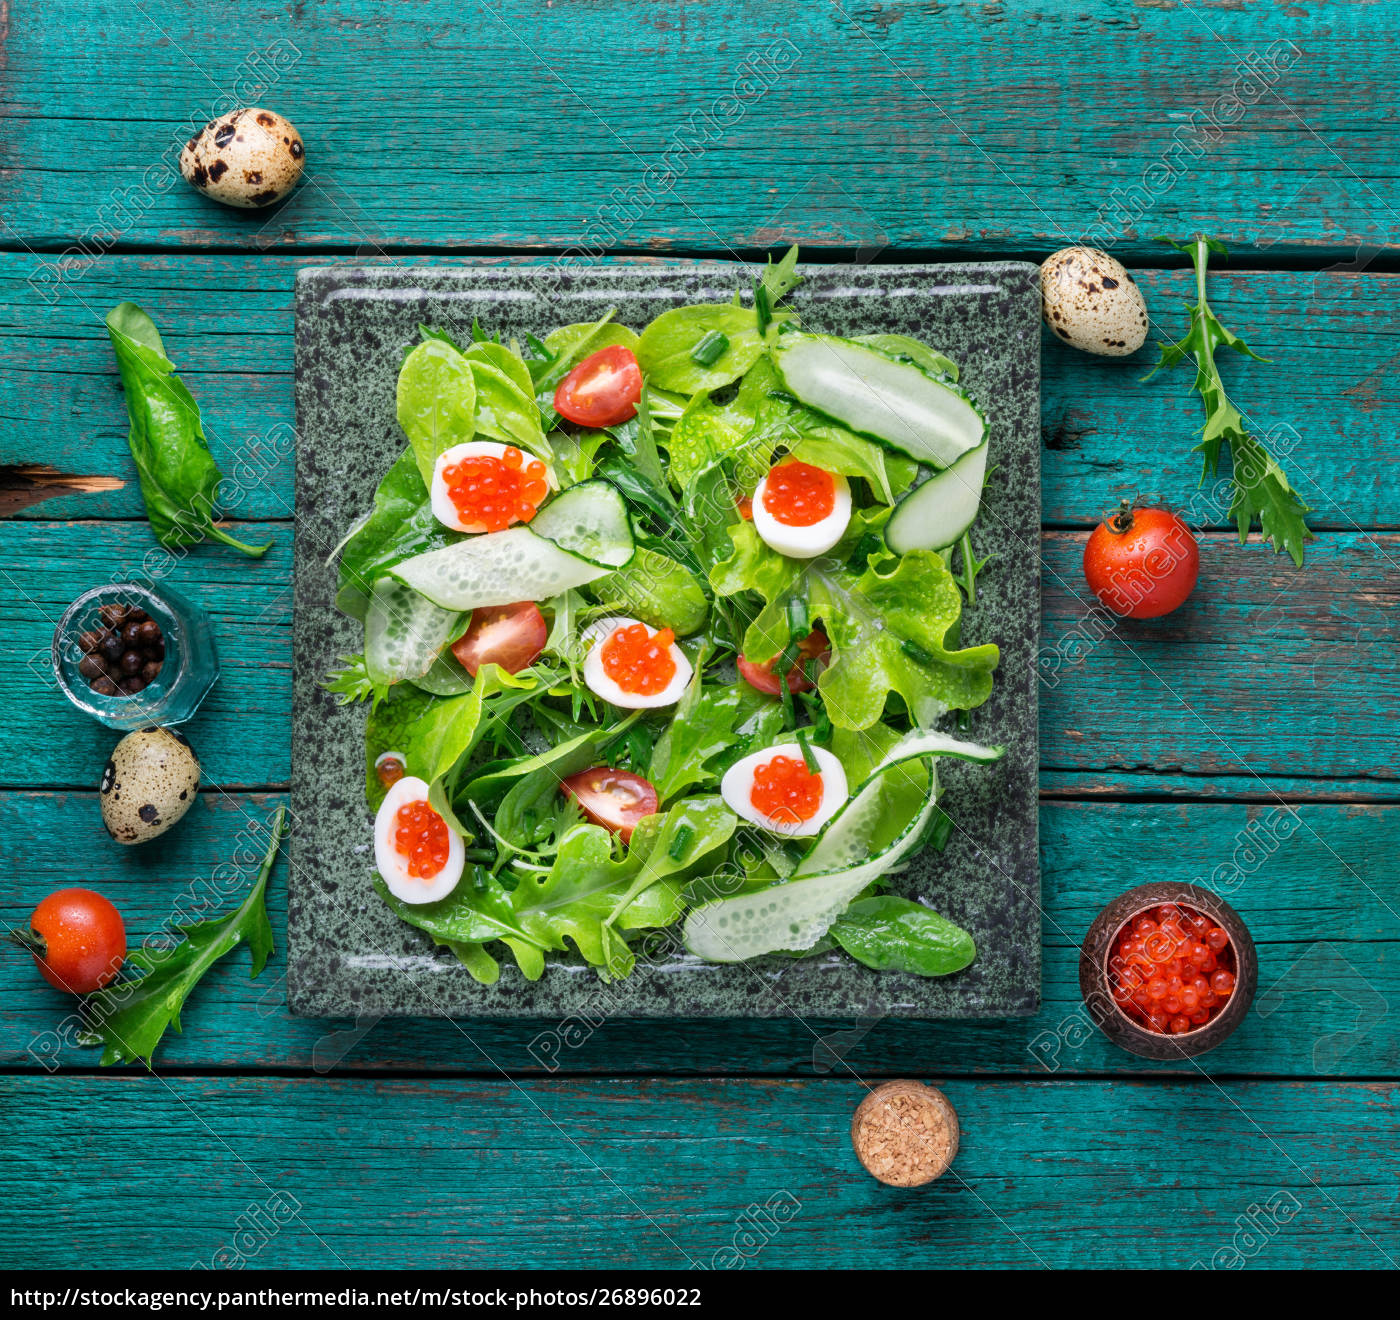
x=896, y=935
x=504, y=411
x=436, y=402
x=129, y=1017
x=669, y=342
x=179, y=477
x=401, y=524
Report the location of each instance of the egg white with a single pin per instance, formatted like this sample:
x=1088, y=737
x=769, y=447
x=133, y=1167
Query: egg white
x=736, y=789
x=605, y=687
x=394, y=867
x=803, y=542
x=441, y=501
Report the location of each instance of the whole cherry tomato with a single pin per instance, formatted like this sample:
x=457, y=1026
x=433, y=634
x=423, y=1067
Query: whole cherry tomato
x=1141, y=563
x=77, y=939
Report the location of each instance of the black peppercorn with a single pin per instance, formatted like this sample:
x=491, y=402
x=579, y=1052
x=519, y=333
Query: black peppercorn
x=104, y=686
x=150, y=670
x=131, y=663
x=149, y=633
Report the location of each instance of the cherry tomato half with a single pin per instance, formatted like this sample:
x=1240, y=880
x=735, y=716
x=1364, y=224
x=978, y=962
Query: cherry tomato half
x=814, y=646
x=77, y=940
x=602, y=390
x=614, y=799
x=511, y=636
x=1141, y=563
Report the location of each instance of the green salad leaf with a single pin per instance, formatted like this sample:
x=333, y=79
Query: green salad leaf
x=889, y=629
x=436, y=402
x=179, y=477
x=714, y=725
x=657, y=590
x=899, y=935
x=129, y=1017
x=667, y=347
x=1262, y=491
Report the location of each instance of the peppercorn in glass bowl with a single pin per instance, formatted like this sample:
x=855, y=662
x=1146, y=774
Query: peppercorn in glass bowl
x=132, y=656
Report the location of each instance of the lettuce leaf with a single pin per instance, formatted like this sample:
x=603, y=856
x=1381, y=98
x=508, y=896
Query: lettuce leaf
x=713, y=726
x=890, y=628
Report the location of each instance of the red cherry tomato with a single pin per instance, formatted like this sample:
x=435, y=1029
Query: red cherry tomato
x=602, y=390
x=511, y=636
x=77, y=940
x=814, y=646
x=614, y=799
x=1141, y=563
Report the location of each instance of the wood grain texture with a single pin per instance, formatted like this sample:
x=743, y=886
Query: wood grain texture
x=1186, y=689
x=649, y=1173
x=1329, y=396
x=979, y=129
x=1324, y=916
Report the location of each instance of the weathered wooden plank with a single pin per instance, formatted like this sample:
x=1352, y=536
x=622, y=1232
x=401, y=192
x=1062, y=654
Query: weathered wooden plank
x=1326, y=922
x=1329, y=397
x=690, y=1174
x=713, y=126
x=1185, y=703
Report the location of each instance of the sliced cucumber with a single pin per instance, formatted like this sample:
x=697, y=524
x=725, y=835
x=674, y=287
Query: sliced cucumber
x=576, y=538
x=935, y=514
x=895, y=402
x=795, y=915
x=588, y=520
x=404, y=632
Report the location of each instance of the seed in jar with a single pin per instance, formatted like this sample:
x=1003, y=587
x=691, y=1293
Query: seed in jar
x=150, y=671
x=104, y=687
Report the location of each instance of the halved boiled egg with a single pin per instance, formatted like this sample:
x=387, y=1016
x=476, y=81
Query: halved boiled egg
x=417, y=853
x=775, y=789
x=482, y=486
x=801, y=510
x=632, y=665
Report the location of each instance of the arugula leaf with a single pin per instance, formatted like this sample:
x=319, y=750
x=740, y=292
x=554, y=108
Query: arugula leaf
x=350, y=683
x=436, y=401
x=1261, y=488
x=179, y=477
x=897, y=935
x=129, y=1017
x=713, y=726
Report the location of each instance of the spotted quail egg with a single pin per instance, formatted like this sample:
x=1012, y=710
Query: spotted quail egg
x=247, y=158
x=1092, y=303
x=149, y=783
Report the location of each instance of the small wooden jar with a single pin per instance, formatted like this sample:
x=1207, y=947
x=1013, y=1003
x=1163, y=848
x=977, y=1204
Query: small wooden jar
x=1095, y=982
x=905, y=1133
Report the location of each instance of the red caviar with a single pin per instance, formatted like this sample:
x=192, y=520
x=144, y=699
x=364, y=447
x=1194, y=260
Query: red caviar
x=1172, y=969
x=638, y=661
x=420, y=836
x=798, y=494
x=388, y=770
x=785, y=791
x=491, y=493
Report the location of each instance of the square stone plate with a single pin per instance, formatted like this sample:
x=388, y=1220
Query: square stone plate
x=348, y=953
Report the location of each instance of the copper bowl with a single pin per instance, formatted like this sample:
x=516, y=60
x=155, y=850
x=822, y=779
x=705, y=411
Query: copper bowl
x=1095, y=986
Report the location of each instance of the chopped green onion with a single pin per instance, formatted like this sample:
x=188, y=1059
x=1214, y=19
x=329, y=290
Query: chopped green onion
x=710, y=349
x=808, y=755
x=679, y=844
x=799, y=622
x=762, y=306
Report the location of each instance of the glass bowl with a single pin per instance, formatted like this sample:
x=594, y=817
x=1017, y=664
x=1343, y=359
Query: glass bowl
x=187, y=673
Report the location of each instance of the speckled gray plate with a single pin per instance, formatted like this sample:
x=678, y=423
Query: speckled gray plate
x=348, y=953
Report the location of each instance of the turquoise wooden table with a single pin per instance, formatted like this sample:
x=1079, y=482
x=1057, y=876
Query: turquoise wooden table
x=1247, y=742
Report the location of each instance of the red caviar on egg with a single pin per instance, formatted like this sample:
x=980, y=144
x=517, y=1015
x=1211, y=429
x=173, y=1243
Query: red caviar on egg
x=800, y=510
x=482, y=486
x=419, y=858
x=778, y=790
x=634, y=666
